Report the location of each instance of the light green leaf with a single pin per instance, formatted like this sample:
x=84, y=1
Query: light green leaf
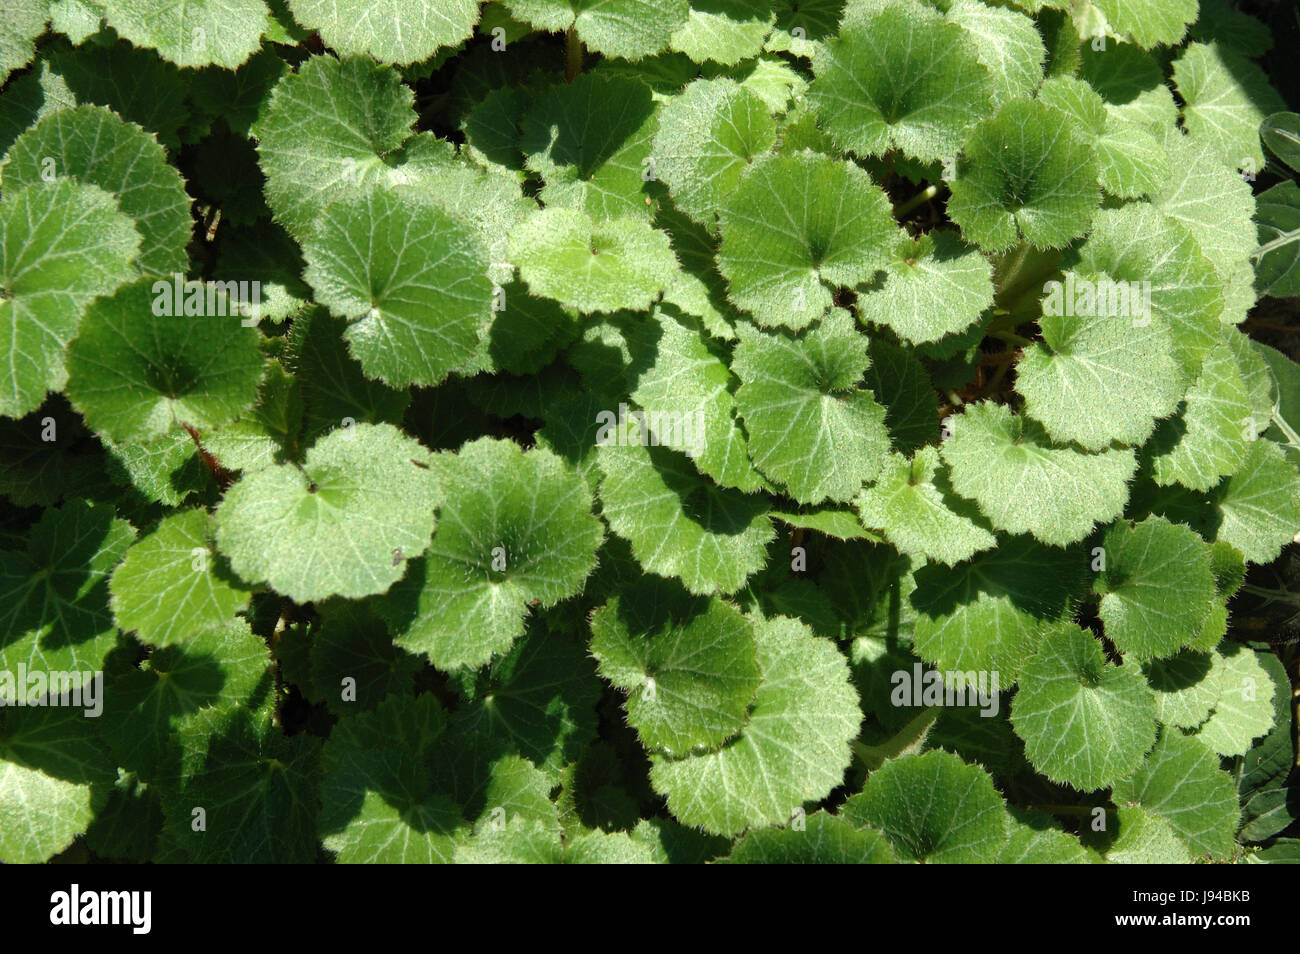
x=346, y=521
x=593, y=266
x=514, y=529
x=900, y=78
x=392, y=31
x=810, y=427
x=689, y=665
x=24, y=21
x=92, y=145
x=194, y=33
x=824, y=840
x=1029, y=173
x=723, y=31
x=1244, y=709
x=169, y=587
x=1226, y=98
x=1186, y=686
x=1181, y=783
x=630, y=29
x=1085, y=723
x=1132, y=82
x=1149, y=22
x=1036, y=841
x=1277, y=260
x=794, y=748
x=933, y=808
x=523, y=841
x=137, y=373
x=933, y=286
x=784, y=246
x=1007, y=43
x=1157, y=588
x=1144, y=838
x=679, y=523
x=913, y=506
x=707, y=138
x=412, y=279
x=61, y=244
x=1023, y=484
x=989, y=613
x=1258, y=507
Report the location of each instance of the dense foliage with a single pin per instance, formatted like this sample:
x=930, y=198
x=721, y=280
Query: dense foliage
x=647, y=430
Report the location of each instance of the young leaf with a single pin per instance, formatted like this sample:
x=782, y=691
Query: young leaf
x=630, y=29
x=1186, y=686
x=392, y=31
x=723, y=31
x=1007, y=43
x=1226, y=99
x=1085, y=723
x=196, y=33
x=346, y=520
x=1149, y=22
x=825, y=840
x=1244, y=710
x=1258, y=507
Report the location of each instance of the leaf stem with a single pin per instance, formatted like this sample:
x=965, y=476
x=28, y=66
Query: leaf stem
x=922, y=197
x=572, y=54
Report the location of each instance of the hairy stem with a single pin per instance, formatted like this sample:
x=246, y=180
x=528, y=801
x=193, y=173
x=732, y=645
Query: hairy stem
x=922, y=197
x=572, y=54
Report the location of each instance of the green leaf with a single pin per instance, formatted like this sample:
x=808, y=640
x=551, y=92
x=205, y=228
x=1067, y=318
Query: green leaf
x=1036, y=841
x=514, y=529
x=590, y=141
x=1281, y=133
x=346, y=520
x=92, y=145
x=592, y=266
x=912, y=504
x=689, y=665
x=1029, y=173
x=903, y=386
x=900, y=78
x=630, y=29
x=1181, y=783
x=1211, y=434
x=785, y=247
x=989, y=613
x=810, y=427
x=1023, y=484
x=1167, y=278
x=1244, y=710
x=1132, y=82
x=1085, y=723
x=170, y=587
x=679, y=523
x=1149, y=22
x=707, y=137
x=933, y=286
x=723, y=31
x=1186, y=686
x=793, y=749
x=1157, y=588
x=684, y=385
x=54, y=593
x=1258, y=507
x=411, y=279
x=61, y=244
x=933, y=808
x=50, y=759
x=392, y=31
x=523, y=841
x=196, y=33
x=824, y=840
x=1226, y=99
x=136, y=372
x=1007, y=43
x=1144, y=838
x=1094, y=379
x=24, y=21
x=162, y=716
x=1277, y=261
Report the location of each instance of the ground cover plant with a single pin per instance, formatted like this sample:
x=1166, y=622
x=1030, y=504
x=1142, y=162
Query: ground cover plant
x=656, y=431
